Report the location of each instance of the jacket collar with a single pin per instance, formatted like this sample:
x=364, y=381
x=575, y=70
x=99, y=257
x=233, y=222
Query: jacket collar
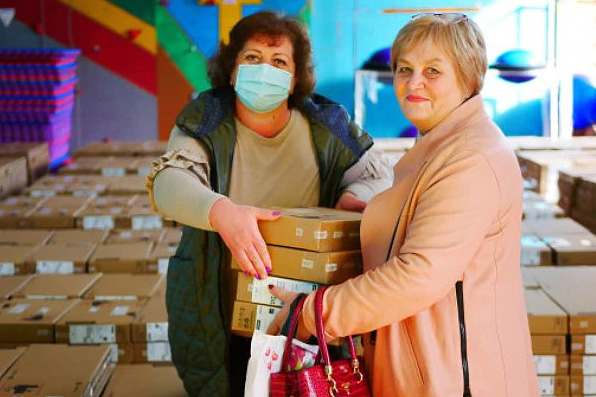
x=469, y=112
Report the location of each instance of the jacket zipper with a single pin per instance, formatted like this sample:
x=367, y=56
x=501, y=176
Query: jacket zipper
x=459, y=292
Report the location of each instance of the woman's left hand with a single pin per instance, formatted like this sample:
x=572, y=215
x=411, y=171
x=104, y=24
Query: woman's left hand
x=287, y=297
x=349, y=202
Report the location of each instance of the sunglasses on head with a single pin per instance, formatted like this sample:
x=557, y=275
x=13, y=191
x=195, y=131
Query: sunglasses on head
x=448, y=16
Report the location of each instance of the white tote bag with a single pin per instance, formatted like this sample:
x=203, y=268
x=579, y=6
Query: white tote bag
x=266, y=352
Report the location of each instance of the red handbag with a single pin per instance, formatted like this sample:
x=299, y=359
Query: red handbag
x=340, y=378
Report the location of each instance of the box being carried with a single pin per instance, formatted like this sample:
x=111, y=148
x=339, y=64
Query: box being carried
x=314, y=229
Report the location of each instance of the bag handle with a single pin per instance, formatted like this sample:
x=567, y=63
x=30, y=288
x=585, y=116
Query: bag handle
x=292, y=332
x=323, y=342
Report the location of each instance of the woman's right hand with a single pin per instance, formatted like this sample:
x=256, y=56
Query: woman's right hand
x=237, y=225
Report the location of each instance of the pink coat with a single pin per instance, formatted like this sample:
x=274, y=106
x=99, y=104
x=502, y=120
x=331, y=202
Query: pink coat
x=457, y=203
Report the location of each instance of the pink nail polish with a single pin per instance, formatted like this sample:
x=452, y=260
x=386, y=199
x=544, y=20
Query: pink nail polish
x=275, y=213
x=268, y=269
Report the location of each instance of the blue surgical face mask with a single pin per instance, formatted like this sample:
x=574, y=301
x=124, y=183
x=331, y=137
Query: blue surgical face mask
x=262, y=87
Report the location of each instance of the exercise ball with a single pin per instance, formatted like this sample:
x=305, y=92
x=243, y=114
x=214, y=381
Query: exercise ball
x=517, y=66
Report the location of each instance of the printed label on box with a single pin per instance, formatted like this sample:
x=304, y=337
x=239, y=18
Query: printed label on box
x=320, y=235
x=307, y=263
x=590, y=344
x=546, y=384
x=264, y=317
x=119, y=311
x=545, y=365
x=54, y=267
x=589, y=365
x=114, y=352
x=589, y=384
x=98, y=222
x=42, y=193
x=162, y=265
x=6, y=268
x=330, y=267
x=19, y=308
x=157, y=332
x=338, y=235
x=113, y=171
x=144, y=171
x=530, y=257
x=84, y=334
x=115, y=298
x=143, y=222
x=261, y=294
x=159, y=351
x=299, y=232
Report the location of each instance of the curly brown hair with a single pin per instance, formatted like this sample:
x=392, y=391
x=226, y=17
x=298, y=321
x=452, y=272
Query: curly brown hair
x=275, y=25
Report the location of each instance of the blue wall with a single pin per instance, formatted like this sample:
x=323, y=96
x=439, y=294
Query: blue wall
x=346, y=33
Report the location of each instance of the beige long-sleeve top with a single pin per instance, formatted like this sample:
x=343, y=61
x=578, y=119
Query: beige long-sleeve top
x=279, y=171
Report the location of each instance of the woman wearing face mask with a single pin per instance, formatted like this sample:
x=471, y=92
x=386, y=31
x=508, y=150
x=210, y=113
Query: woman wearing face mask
x=258, y=139
x=441, y=299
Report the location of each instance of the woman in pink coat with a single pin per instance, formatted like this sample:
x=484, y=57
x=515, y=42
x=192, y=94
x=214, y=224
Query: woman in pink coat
x=441, y=300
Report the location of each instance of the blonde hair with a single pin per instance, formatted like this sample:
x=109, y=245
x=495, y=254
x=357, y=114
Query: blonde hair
x=457, y=35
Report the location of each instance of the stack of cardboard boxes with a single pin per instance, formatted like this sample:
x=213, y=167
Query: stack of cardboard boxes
x=308, y=247
x=82, y=259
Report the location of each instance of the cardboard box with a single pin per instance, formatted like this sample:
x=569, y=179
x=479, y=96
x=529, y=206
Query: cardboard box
x=172, y=236
x=62, y=258
x=549, y=344
x=24, y=237
x=11, y=285
x=151, y=324
x=314, y=229
x=583, y=384
x=127, y=236
x=36, y=153
x=92, y=322
x=551, y=364
x=82, y=371
x=12, y=218
x=113, y=201
x=143, y=218
x=122, y=148
x=549, y=385
x=94, y=218
x=545, y=317
x=573, y=249
x=127, y=185
x=126, y=286
x=529, y=281
x=8, y=357
x=83, y=188
x=50, y=186
x=535, y=252
x=145, y=380
x=160, y=258
x=31, y=320
x=57, y=212
x=152, y=352
x=15, y=259
x=583, y=365
x=58, y=286
x=13, y=175
x=252, y=290
x=582, y=344
x=572, y=287
x=119, y=166
x=317, y=267
x=250, y=317
x=541, y=210
x=21, y=201
x=121, y=258
x=548, y=227
x=76, y=236
x=83, y=165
